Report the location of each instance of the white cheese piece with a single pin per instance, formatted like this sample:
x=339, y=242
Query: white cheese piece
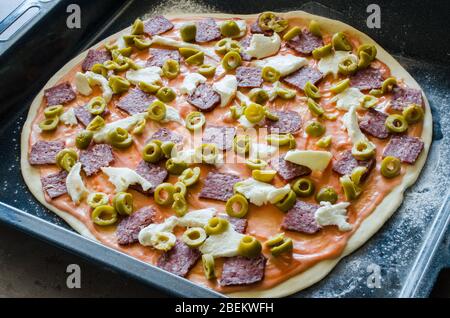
x=261, y=151
x=69, y=118
x=285, y=64
x=121, y=43
x=350, y=121
x=257, y=192
x=125, y=123
x=262, y=46
x=222, y=245
x=122, y=178
x=243, y=98
x=190, y=83
x=149, y=75
x=278, y=193
x=226, y=88
x=82, y=84
x=186, y=155
x=74, y=184
x=245, y=123
x=336, y=214
x=97, y=79
x=172, y=114
x=242, y=25
x=316, y=160
x=157, y=39
x=348, y=98
x=197, y=218
x=146, y=234
x=330, y=63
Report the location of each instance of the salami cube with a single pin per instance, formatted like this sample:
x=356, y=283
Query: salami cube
x=204, y=98
x=95, y=57
x=179, y=260
x=164, y=134
x=403, y=97
x=305, y=42
x=60, y=94
x=249, y=76
x=129, y=228
x=300, y=218
x=289, y=121
x=44, y=152
x=96, y=157
x=218, y=186
x=55, y=184
x=405, y=148
x=241, y=270
x=367, y=78
x=346, y=163
x=373, y=123
x=152, y=173
x=207, y=31
x=157, y=25
x=135, y=101
x=288, y=170
x=222, y=136
x=159, y=56
x=299, y=78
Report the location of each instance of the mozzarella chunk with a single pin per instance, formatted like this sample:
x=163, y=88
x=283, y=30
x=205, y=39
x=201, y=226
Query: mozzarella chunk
x=226, y=88
x=348, y=98
x=197, y=218
x=330, y=63
x=172, y=114
x=285, y=64
x=122, y=178
x=262, y=46
x=82, y=84
x=257, y=192
x=149, y=75
x=190, y=83
x=146, y=234
x=69, y=118
x=225, y=244
x=157, y=39
x=261, y=151
x=316, y=160
x=243, y=98
x=336, y=214
x=74, y=184
x=97, y=79
x=125, y=123
x=278, y=193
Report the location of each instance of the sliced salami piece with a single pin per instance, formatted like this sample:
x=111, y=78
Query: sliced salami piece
x=55, y=184
x=288, y=170
x=157, y=25
x=300, y=218
x=249, y=76
x=218, y=186
x=44, y=152
x=129, y=228
x=204, y=98
x=289, y=121
x=95, y=57
x=305, y=43
x=159, y=56
x=83, y=115
x=373, y=124
x=152, y=173
x=207, y=30
x=245, y=43
x=299, y=78
x=365, y=79
x=241, y=270
x=405, y=148
x=222, y=136
x=135, y=101
x=96, y=157
x=239, y=225
x=403, y=97
x=179, y=260
x=60, y=94
x=346, y=163
x=164, y=134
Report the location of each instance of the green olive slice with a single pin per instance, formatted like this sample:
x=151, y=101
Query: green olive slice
x=163, y=241
x=390, y=167
x=256, y=164
x=175, y=166
x=179, y=204
x=340, y=86
x=270, y=74
x=311, y=90
x=96, y=124
x=190, y=176
x=286, y=202
x=123, y=203
x=166, y=94
x=396, y=123
x=284, y=247
x=163, y=194
x=303, y=187
x=363, y=150
x=322, y=51
x=196, y=59
x=118, y=84
x=66, y=159
x=171, y=68
x=194, y=237
x=207, y=70
x=324, y=142
x=263, y=175
x=96, y=105
x=195, y=120
x=207, y=153
x=315, y=129
x=340, y=42
x=351, y=190
x=292, y=33
x=231, y=60
x=96, y=199
x=104, y=215
x=413, y=113
x=315, y=108
x=254, y=113
x=249, y=246
x=230, y=29
x=216, y=226
x=208, y=266
x=314, y=28
x=180, y=188
x=83, y=139
x=152, y=152
x=49, y=124
x=157, y=110
x=241, y=144
x=53, y=111
x=327, y=194
x=259, y=96
x=188, y=32
x=237, y=206
x=138, y=27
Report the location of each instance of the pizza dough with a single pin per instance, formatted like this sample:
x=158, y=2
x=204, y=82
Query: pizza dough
x=367, y=228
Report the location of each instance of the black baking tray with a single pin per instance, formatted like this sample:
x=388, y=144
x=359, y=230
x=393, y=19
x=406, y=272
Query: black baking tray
x=404, y=251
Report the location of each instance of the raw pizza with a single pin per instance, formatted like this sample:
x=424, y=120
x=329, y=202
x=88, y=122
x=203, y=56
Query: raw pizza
x=248, y=154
